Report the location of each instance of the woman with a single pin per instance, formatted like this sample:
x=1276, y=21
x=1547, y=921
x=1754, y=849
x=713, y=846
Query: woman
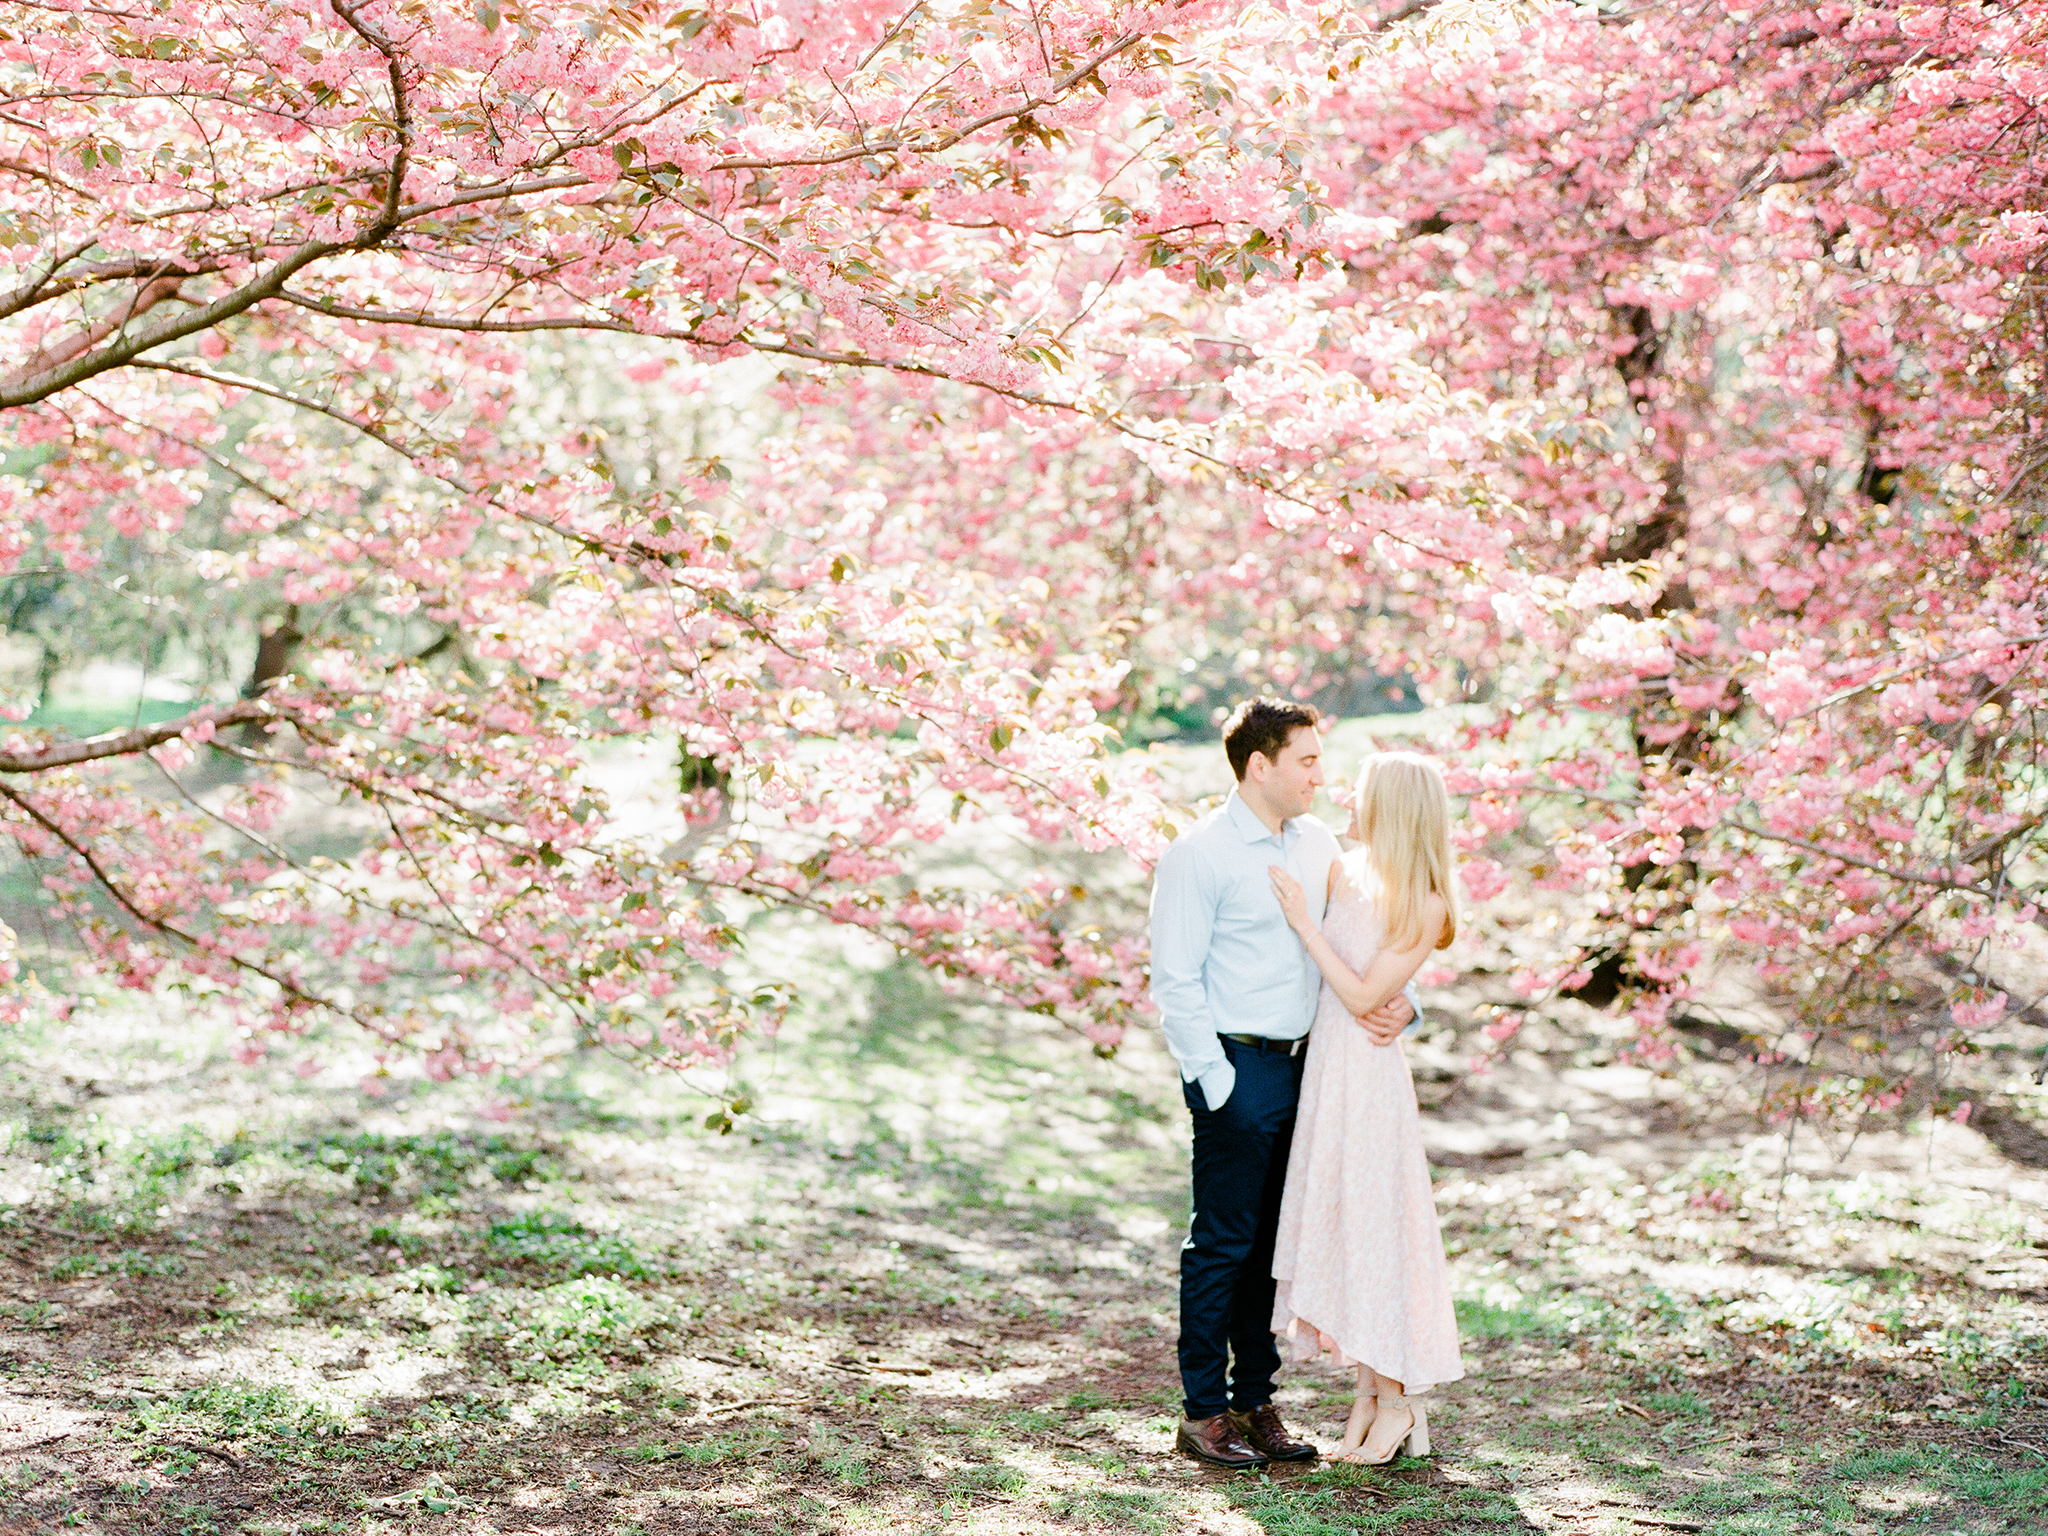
x=1360, y=1260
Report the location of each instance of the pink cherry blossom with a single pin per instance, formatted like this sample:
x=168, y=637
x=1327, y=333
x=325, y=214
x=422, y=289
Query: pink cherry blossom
x=1657, y=387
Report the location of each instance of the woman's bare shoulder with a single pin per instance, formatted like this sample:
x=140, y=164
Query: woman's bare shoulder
x=1351, y=871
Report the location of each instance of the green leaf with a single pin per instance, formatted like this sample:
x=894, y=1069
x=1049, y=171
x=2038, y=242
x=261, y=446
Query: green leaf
x=634, y=901
x=487, y=15
x=1000, y=736
x=841, y=567
x=547, y=855
x=664, y=524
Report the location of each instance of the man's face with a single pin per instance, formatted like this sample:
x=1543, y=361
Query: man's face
x=1291, y=780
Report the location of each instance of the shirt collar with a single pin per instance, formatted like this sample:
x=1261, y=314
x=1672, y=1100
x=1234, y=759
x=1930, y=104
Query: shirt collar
x=1248, y=825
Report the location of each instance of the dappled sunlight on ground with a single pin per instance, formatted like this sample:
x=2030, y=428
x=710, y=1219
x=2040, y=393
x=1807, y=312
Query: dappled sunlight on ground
x=927, y=1285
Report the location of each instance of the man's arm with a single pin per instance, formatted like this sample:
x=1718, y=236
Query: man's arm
x=1183, y=922
x=1388, y=1022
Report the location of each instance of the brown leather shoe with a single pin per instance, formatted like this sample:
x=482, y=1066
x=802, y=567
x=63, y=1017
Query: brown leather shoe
x=1266, y=1433
x=1217, y=1442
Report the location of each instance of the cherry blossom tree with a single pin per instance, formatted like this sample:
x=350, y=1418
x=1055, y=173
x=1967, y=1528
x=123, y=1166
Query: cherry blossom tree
x=1776, y=279
x=1750, y=296
x=295, y=258
x=1659, y=378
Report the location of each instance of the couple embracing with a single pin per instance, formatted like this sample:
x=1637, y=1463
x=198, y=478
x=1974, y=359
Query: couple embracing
x=1281, y=966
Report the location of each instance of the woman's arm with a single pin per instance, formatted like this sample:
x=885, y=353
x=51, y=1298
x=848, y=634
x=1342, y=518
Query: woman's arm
x=1390, y=969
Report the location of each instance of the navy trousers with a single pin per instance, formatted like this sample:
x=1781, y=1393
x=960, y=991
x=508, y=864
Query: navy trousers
x=1227, y=1358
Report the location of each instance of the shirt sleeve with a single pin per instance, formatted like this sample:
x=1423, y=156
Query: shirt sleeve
x=1183, y=920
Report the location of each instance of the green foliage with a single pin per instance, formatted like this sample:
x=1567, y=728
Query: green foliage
x=1682, y=1405
x=443, y=1164
x=990, y=1477
x=428, y=1279
x=1118, y=1509
x=233, y=1410
x=849, y=1466
x=1481, y=1320
x=560, y=1244
x=2005, y=1401
x=2021, y=1492
x=129, y=1261
x=588, y=1318
x=731, y=1445
x=1029, y=1421
x=1338, y=1501
x=121, y=1175
x=316, y=1300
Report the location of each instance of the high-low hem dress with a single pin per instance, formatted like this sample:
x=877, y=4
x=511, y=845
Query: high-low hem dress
x=1360, y=1259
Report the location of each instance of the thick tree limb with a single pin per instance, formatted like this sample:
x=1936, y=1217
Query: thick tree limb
x=401, y=116
x=27, y=386
x=154, y=291
x=63, y=754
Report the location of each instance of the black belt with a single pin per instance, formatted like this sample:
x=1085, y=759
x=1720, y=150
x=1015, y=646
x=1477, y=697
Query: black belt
x=1292, y=1047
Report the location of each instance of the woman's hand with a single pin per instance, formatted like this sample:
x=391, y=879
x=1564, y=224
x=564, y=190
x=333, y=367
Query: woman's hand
x=1293, y=904
x=1384, y=1024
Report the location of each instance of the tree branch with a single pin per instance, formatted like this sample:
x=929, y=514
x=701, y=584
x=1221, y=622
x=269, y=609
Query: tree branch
x=1912, y=876
x=128, y=743
x=28, y=385
x=38, y=287
x=401, y=116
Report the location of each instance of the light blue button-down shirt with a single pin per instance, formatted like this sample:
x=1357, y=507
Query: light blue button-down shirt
x=1224, y=960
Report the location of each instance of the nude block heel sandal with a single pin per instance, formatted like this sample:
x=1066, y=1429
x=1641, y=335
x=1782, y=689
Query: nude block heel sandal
x=1415, y=1442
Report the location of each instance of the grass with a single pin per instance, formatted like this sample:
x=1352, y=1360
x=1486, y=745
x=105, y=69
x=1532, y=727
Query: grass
x=442, y=1164
x=1340, y=1500
x=554, y=1243
x=271, y=1416
x=1482, y=1320
x=1118, y=1509
x=937, y=1298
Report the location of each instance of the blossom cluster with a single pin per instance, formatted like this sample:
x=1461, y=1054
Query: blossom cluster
x=1660, y=385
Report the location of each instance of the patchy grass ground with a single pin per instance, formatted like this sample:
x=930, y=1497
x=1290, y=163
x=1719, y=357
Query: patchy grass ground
x=928, y=1287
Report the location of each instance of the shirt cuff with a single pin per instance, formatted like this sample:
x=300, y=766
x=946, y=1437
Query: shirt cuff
x=1216, y=1085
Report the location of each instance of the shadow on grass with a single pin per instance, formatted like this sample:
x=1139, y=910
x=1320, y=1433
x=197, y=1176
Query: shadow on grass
x=939, y=1299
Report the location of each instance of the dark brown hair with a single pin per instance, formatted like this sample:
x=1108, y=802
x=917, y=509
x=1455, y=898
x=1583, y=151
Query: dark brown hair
x=1262, y=725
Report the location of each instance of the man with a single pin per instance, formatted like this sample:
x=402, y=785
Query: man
x=1236, y=994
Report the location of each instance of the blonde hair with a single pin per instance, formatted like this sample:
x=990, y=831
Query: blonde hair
x=1403, y=816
